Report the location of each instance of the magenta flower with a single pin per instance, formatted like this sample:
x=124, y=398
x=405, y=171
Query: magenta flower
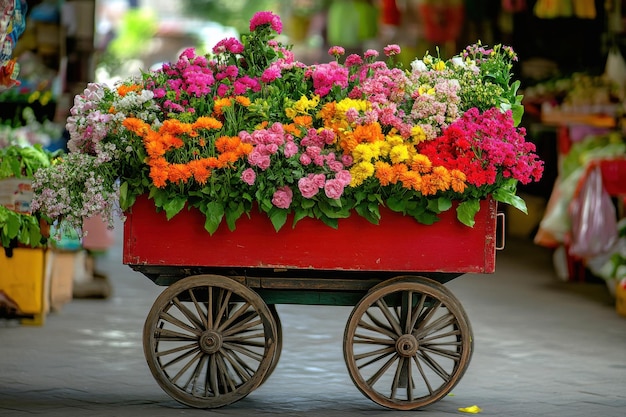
x=282, y=197
x=270, y=74
x=266, y=18
x=231, y=45
x=371, y=53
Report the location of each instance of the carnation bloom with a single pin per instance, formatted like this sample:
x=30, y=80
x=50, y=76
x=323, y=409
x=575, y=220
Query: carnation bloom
x=266, y=18
x=391, y=50
x=282, y=197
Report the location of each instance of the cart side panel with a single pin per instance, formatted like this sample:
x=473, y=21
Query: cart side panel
x=398, y=243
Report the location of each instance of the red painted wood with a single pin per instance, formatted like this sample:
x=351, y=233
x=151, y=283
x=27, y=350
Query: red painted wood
x=398, y=243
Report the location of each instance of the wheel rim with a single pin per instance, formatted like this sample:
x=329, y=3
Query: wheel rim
x=209, y=341
x=406, y=358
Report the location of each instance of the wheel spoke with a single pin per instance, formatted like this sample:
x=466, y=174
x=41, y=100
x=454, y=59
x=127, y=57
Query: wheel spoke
x=456, y=333
x=242, y=369
x=187, y=313
x=409, y=310
x=416, y=313
x=223, y=300
x=235, y=315
x=212, y=375
x=374, y=378
x=450, y=354
x=185, y=368
x=396, y=378
x=247, y=340
x=228, y=383
x=176, y=322
x=438, y=324
x=384, y=308
x=180, y=358
x=243, y=326
x=209, y=308
x=201, y=313
x=434, y=365
x=172, y=336
x=423, y=375
x=366, y=339
x=244, y=351
x=177, y=349
x=193, y=378
x=426, y=315
x=377, y=327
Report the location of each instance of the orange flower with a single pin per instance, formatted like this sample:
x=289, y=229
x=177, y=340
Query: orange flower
x=303, y=120
x=200, y=170
x=421, y=163
x=243, y=100
x=227, y=143
x=158, y=172
x=122, y=90
x=179, y=172
x=441, y=178
x=220, y=103
x=457, y=180
x=204, y=122
x=384, y=173
x=175, y=127
x=427, y=186
x=398, y=171
x=293, y=129
x=411, y=180
x=137, y=126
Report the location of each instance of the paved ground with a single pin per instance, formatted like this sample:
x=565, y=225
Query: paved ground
x=542, y=348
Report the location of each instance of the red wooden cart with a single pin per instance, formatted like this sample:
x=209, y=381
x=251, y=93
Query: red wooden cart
x=213, y=335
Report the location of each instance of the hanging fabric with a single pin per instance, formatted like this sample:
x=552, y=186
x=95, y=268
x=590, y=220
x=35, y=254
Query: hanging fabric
x=12, y=24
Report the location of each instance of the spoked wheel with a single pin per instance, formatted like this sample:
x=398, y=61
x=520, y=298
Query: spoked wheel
x=407, y=343
x=209, y=341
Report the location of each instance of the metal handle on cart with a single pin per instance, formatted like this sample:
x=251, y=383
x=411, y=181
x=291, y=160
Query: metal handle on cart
x=501, y=218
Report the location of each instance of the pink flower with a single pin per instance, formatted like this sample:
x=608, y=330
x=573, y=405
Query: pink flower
x=290, y=149
x=336, y=51
x=270, y=74
x=231, y=45
x=371, y=53
x=266, y=18
x=344, y=177
x=391, y=50
x=353, y=60
x=308, y=186
x=333, y=189
x=282, y=197
x=248, y=176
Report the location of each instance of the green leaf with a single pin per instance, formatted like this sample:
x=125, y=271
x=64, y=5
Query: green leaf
x=373, y=216
x=124, y=195
x=174, y=205
x=396, y=204
x=466, y=211
x=232, y=214
x=439, y=205
x=214, y=212
x=507, y=196
x=278, y=217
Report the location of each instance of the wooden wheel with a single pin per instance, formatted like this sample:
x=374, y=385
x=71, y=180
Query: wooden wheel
x=407, y=343
x=209, y=341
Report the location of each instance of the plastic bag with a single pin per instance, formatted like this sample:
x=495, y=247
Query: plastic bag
x=594, y=223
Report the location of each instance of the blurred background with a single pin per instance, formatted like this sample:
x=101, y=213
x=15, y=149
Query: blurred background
x=571, y=68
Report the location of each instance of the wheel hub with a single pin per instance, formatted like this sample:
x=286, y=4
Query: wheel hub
x=407, y=345
x=210, y=342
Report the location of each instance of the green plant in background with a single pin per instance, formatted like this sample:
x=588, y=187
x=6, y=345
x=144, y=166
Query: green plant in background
x=138, y=27
x=18, y=162
x=235, y=13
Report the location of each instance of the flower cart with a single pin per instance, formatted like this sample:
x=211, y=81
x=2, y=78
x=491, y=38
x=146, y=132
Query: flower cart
x=214, y=335
x=249, y=179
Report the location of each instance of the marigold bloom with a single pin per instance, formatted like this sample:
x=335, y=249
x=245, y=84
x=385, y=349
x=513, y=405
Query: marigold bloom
x=204, y=122
x=122, y=90
x=384, y=173
x=457, y=181
x=421, y=163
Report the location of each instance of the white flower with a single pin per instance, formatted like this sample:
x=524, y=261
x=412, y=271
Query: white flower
x=418, y=66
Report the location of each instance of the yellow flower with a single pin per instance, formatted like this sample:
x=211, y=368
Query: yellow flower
x=347, y=103
x=363, y=152
x=426, y=89
x=439, y=66
x=399, y=153
x=418, y=134
x=360, y=172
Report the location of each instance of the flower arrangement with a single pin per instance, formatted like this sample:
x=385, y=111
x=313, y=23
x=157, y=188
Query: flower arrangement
x=250, y=126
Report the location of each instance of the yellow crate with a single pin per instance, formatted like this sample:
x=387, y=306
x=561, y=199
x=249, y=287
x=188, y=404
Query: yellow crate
x=22, y=279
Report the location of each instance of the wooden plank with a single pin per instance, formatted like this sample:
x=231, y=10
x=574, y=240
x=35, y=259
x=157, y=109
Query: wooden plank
x=398, y=243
